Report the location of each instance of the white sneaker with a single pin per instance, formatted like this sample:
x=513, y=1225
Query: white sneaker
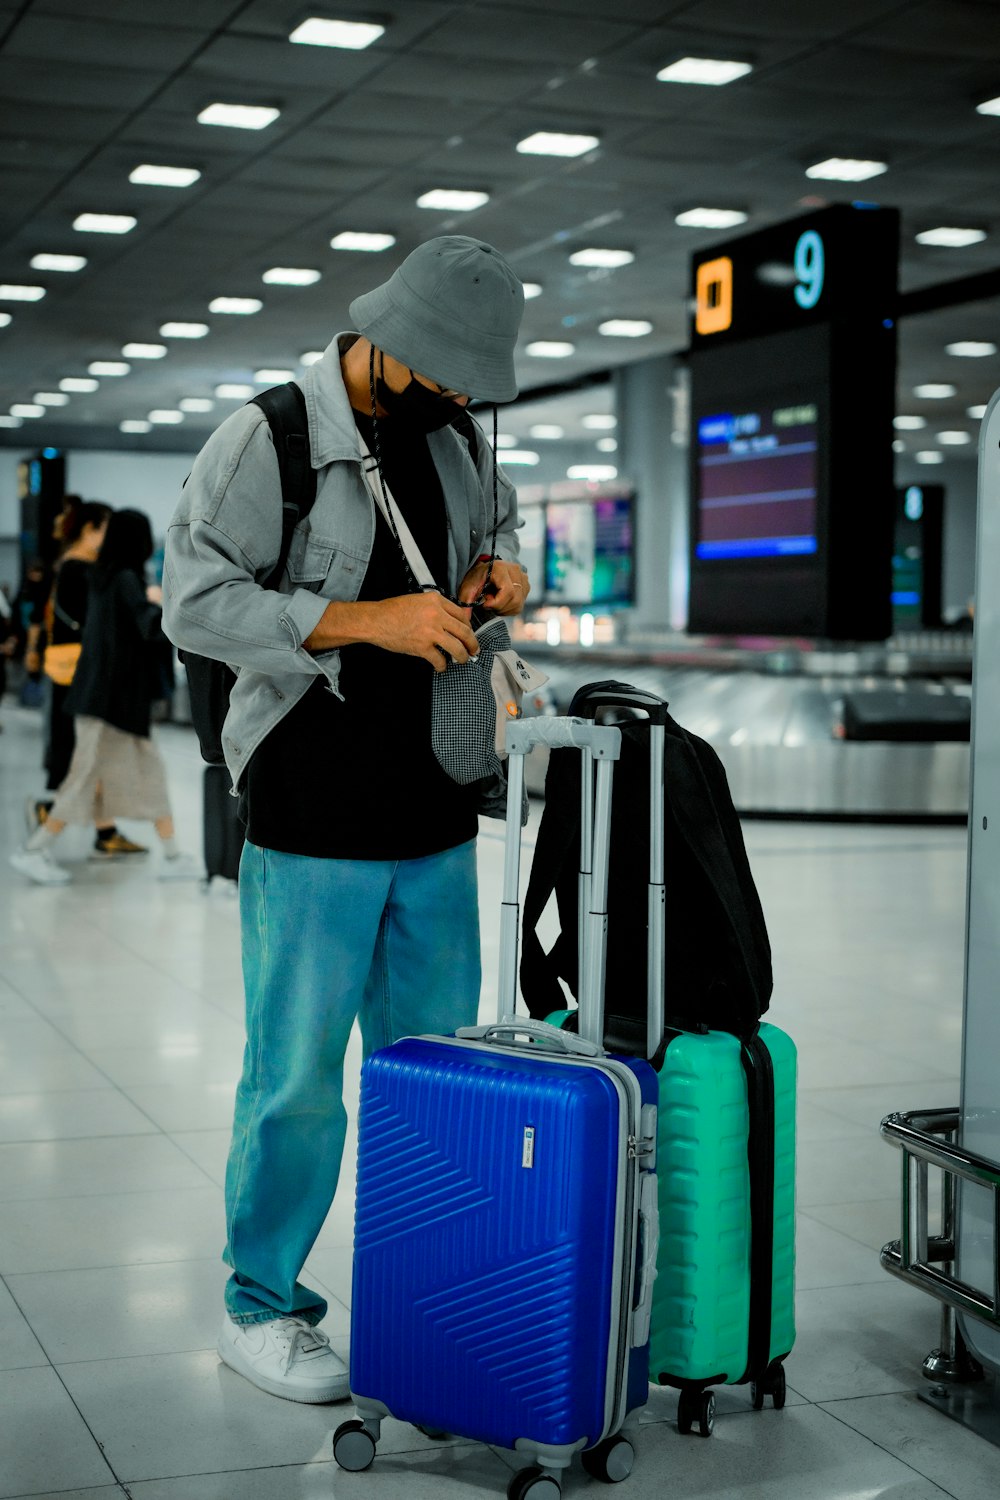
x=181, y=867
x=40, y=866
x=286, y=1357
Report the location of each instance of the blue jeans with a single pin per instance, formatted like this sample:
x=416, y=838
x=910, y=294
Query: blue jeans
x=393, y=943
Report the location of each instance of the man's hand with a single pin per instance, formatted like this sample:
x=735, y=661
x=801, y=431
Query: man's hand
x=424, y=625
x=508, y=587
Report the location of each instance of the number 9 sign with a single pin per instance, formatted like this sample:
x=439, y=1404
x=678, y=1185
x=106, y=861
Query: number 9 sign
x=809, y=268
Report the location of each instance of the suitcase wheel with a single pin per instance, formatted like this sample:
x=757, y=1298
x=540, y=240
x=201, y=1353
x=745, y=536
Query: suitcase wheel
x=353, y=1446
x=696, y=1407
x=772, y=1384
x=533, y=1484
x=610, y=1461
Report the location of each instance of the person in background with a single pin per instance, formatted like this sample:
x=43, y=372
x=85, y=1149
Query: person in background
x=116, y=770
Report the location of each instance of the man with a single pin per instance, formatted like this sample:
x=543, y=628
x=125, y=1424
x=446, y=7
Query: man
x=358, y=882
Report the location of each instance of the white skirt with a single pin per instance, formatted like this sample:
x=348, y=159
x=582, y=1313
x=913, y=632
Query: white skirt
x=112, y=775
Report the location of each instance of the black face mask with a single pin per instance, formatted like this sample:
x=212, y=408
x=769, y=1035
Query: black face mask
x=417, y=406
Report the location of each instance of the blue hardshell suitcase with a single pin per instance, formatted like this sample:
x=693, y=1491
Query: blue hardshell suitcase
x=506, y=1220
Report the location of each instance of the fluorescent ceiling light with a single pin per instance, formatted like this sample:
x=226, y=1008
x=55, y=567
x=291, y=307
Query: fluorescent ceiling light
x=144, y=351
x=550, y=349
x=10, y=421
x=929, y=456
x=935, y=391
x=989, y=107
x=5, y=320
x=971, y=349
x=272, y=377
x=234, y=392
x=707, y=70
x=530, y=289
x=46, y=262
x=11, y=293
x=237, y=306
x=909, y=424
x=290, y=276
x=599, y=421
x=977, y=413
x=898, y=446
x=149, y=175
x=592, y=471
x=79, y=383
x=956, y=439
x=196, y=403
x=546, y=430
x=108, y=367
x=358, y=239
x=607, y=445
x=183, y=330
x=846, y=169
x=625, y=328
x=608, y=259
x=104, y=223
x=132, y=424
x=311, y=357
x=166, y=418
x=454, y=199
x=522, y=456
x=953, y=239
x=506, y=440
x=27, y=409
x=710, y=218
x=553, y=143
x=354, y=35
x=50, y=398
x=239, y=116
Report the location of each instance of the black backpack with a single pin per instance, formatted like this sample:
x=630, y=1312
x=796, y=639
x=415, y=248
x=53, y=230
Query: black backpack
x=718, y=958
x=210, y=682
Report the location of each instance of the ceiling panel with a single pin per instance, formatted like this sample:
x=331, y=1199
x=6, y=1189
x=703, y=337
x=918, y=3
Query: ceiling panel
x=90, y=43
x=55, y=84
x=785, y=18
x=954, y=29
x=184, y=13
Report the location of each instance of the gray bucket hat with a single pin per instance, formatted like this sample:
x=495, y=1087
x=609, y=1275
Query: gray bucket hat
x=451, y=312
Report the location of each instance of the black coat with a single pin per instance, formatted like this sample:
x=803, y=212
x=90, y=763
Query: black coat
x=116, y=678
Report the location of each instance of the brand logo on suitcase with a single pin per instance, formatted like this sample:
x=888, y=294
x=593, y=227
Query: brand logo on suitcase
x=528, y=1149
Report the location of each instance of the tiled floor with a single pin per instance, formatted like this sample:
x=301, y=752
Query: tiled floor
x=120, y=1041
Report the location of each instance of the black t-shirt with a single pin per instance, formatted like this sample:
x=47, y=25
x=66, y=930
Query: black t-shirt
x=72, y=587
x=357, y=779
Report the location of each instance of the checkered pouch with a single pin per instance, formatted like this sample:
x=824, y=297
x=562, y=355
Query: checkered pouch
x=473, y=702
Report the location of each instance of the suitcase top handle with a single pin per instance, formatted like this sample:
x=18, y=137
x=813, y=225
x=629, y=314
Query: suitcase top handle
x=539, y=1032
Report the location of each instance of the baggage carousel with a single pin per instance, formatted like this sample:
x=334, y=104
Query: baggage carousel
x=775, y=714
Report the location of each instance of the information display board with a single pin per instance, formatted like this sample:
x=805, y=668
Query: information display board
x=918, y=557
x=589, y=551
x=757, y=483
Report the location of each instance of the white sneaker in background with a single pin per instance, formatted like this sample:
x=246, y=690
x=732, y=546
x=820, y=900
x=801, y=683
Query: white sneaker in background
x=285, y=1357
x=181, y=867
x=40, y=866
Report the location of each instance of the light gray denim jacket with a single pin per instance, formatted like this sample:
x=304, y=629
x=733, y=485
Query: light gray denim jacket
x=225, y=538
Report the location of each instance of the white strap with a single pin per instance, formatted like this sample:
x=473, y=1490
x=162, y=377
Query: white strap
x=382, y=495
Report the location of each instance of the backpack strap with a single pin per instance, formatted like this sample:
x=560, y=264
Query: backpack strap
x=284, y=406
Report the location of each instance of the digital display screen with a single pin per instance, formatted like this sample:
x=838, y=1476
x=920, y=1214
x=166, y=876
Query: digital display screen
x=590, y=551
x=531, y=537
x=757, y=477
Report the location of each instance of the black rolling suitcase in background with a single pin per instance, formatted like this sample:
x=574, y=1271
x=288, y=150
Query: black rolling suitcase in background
x=223, y=831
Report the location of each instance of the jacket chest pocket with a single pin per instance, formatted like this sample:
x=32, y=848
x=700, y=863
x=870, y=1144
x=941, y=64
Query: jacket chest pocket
x=309, y=561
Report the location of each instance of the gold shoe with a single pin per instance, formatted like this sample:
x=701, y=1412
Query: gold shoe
x=114, y=845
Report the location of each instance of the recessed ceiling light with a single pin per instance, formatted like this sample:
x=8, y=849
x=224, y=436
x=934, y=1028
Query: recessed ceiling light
x=909, y=424
x=935, y=391
x=989, y=107
x=952, y=239
x=898, y=446
x=546, y=430
x=183, y=330
x=239, y=116
x=929, y=456
x=595, y=472
x=706, y=70
x=599, y=421
x=10, y=421
x=971, y=349
x=977, y=413
x=108, y=367
x=553, y=143
x=956, y=439
x=149, y=175
x=165, y=418
x=625, y=328
x=710, y=218
x=27, y=409
x=353, y=35
x=290, y=276
x=237, y=306
x=5, y=320
x=234, y=392
x=50, y=398
x=134, y=424
x=530, y=289
x=846, y=169
x=506, y=440
x=311, y=357
x=607, y=259
x=104, y=223
x=81, y=383
x=45, y=262
x=357, y=239
x=11, y=293
x=522, y=456
x=196, y=403
x=144, y=351
x=607, y=445
x=550, y=349
x=454, y=199
x=272, y=377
